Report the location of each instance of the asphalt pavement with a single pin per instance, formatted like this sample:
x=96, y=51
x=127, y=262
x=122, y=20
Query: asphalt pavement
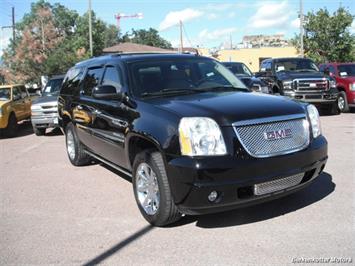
x=54, y=213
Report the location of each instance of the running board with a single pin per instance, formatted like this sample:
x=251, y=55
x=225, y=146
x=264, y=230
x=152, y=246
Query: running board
x=108, y=163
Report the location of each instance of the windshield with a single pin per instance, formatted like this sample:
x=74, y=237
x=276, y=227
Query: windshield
x=52, y=87
x=347, y=70
x=181, y=75
x=5, y=94
x=297, y=65
x=238, y=68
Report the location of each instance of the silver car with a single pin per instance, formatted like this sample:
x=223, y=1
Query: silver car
x=44, y=110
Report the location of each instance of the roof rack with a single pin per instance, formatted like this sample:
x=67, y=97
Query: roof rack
x=140, y=53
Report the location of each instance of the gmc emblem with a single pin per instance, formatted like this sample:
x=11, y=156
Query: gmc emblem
x=278, y=134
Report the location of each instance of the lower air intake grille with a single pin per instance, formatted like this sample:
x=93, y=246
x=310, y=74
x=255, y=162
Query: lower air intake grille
x=278, y=184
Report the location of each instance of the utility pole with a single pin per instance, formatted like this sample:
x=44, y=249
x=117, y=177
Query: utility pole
x=301, y=29
x=90, y=29
x=181, y=40
x=13, y=24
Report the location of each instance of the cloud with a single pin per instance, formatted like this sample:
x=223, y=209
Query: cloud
x=352, y=27
x=271, y=15
x=212, y=16
x=173, y=17
x=295, y=23
x=216, y=34
x=231, y=14
x=5, y=36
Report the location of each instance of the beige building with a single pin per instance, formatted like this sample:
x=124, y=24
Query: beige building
x=253, y=56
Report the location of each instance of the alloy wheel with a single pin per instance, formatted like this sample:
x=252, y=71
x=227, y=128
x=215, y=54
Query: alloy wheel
x=147, y=189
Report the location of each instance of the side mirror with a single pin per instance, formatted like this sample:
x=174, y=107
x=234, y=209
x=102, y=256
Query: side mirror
x=106, y=92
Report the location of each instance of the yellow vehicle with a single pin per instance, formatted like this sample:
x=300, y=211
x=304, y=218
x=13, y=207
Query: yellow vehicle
x=15, y=105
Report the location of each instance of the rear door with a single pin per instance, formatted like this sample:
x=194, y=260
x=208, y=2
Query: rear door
x=17, y=105
x=26, y=100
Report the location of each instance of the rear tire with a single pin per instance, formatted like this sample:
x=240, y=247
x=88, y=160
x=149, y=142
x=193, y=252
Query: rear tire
x=76, y=152
x=166, y=212
x=12, y=126
x=39, y=131
x=333, y=109
x=342, y=102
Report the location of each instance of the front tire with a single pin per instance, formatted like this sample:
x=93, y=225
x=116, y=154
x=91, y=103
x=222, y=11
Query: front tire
x=12, y=126
x=152, y=190
x=342, y=102
x=75, y=150
x=39, y=131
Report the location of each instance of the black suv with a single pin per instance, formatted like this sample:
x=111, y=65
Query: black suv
x=300, y=79
x=193, y=138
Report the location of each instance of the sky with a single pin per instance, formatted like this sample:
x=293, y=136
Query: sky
x=206, y=23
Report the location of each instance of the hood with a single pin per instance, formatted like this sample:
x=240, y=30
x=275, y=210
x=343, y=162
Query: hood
x=285, y=75
x=45, y=99
x=228, y=107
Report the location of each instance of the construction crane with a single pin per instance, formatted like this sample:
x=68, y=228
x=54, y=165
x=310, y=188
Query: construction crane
x=119, y=16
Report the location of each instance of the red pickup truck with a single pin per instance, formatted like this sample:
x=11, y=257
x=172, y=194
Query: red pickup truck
x=344, y=73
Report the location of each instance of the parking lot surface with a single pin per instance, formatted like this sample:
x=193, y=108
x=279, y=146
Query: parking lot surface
x=54, y=213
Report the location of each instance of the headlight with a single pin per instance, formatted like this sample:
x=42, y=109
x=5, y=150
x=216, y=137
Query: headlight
x=332, y=83
x=313, y=116
x=287, y=85
x=200, y=136
x=352, y=86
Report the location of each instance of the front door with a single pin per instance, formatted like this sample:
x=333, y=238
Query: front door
x=106, y=124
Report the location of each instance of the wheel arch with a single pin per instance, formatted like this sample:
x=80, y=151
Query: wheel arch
x=137, y=143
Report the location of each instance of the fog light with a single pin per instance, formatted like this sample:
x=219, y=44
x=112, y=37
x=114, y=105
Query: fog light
x=212, y=196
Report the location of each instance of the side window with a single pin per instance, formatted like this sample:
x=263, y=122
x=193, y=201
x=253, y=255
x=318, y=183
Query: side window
x=23, y=92
x=16, y=94
x=111, y=77
x=92, y=79
x=71, y=81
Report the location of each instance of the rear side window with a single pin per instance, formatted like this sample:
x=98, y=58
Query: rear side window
x=111, y=77
x=16, y=94
x=92, y=79
x=71, y=81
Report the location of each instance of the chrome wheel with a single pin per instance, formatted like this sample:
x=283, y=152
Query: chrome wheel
x=70, y=144
x=147, y=189
x=341, y=103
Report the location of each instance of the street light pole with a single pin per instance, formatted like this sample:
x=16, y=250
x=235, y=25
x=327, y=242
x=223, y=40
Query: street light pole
x=90, y=29
x=301, y=29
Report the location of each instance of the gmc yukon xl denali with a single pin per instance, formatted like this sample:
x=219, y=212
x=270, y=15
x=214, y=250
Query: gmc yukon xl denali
x=300, y=79
x=191, y=136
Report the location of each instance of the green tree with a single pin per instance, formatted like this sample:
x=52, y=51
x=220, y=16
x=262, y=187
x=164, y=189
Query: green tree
x=148, y=37
x=50, y=39
x=328, y=37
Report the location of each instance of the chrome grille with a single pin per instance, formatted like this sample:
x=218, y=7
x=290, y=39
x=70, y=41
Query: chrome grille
x=253, y=135
x=311, y=84
x=278, y=184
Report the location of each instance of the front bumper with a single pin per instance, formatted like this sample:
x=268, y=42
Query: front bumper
x=45, y=121
x=326, y=97
x=193, y=179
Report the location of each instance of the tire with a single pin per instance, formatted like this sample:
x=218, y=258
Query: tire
x=12, y=126
x=39, y=131
x=333, y=109
x=342, y=102
x=166, y=212
x=75, y=149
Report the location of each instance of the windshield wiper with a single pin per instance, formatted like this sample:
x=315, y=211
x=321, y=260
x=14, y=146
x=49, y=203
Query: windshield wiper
x=167, y=92
x=221, y=88
x=306, y=70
